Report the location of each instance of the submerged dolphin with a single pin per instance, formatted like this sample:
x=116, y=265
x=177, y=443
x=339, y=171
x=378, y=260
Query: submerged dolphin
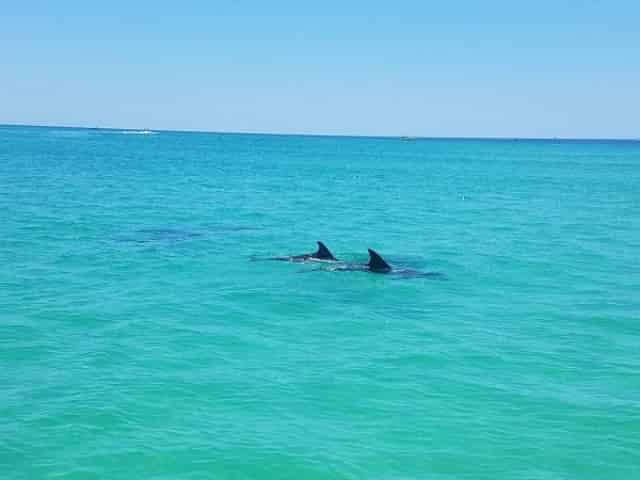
x=377, y=264
x=323, y=254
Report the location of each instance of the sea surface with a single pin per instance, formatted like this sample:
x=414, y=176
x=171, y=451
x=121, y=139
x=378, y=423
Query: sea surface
x=139, y=341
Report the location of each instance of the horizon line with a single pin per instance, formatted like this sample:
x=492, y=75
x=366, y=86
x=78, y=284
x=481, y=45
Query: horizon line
x=315, y=134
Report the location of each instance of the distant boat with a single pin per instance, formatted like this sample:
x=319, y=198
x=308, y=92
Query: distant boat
x=407, y=139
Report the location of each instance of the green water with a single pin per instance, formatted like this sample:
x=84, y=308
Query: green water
x=137, y=340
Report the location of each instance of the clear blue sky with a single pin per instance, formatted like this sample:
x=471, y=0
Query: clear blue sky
x=494, y=68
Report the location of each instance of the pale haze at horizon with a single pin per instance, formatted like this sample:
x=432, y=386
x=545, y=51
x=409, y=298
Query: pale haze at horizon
x=496, y=69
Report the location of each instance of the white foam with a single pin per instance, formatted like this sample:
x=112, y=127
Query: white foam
x=138, y=132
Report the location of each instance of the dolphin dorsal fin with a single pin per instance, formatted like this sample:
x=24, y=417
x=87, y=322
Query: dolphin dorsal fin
x=323, y=252
x=377, y=263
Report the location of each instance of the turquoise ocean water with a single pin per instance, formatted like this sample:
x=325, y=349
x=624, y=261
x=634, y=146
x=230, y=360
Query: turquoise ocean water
x=137, y=340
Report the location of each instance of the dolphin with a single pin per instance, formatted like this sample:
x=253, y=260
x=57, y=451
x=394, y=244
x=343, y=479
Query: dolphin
x=323, y=254
x=377, y=264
